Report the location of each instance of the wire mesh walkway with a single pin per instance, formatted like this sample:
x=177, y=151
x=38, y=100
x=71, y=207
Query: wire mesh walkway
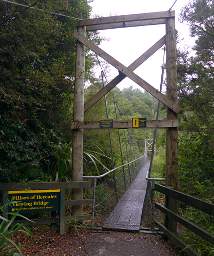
x=128, y=211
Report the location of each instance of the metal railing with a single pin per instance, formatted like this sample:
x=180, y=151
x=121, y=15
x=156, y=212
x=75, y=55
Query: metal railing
x=109, y=186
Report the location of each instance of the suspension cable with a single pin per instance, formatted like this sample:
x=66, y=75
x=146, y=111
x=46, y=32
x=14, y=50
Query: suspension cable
x=41, y=10
x=118, y=131
x=173, y=5
x=113, y=170
x=157, y=116
x=106, y=107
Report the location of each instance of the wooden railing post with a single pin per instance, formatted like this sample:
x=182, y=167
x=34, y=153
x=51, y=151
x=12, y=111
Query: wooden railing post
x=171, y=133
x=62, y=220
x=78, y=116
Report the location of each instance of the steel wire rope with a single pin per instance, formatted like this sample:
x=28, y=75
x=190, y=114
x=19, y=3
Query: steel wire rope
x=173, y=5
x=118, y=131
x=126, y=144
x=149, y=186
x=120, y=144
x=131, y=144
x=158, y=106
x=41, y=10
x=157, y=115
x=109, y=130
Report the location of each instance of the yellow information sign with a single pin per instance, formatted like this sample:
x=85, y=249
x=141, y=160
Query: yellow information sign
x=135, y=122
x=29, y=200
x=138, y=122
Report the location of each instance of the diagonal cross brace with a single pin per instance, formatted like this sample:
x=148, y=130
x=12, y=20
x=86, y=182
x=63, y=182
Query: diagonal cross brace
x=102, y=92
x=130, y=74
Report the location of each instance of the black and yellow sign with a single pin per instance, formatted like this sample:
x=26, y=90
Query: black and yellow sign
x=106, y=123
x=138, y=122
x=29, y=200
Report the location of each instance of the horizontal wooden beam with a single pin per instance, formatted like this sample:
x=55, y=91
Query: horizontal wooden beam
x=186, y=223
x=44, y=185
x=187, y=199
x=124, y=124
x=127, y=18
x=126, y=24
x=146, y=55
x=134, y=77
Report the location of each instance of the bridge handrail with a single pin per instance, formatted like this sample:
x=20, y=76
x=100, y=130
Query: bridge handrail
x=194, y=202
x=112, y=170
x=187, y=199
x=96, y=177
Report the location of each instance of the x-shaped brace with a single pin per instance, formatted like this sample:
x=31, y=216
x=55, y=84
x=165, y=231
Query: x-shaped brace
x=127, y=72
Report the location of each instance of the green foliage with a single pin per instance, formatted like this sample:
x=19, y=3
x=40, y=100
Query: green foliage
x=197, y=99
x=196, y=164
x=158, y=166
x=204, y=221
x=121, y=105
x=37, y=60
x=8, y=228
x=196, y=91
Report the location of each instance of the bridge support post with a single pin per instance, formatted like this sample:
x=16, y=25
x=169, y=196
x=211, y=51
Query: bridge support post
x=78, y=116
x=171, y=133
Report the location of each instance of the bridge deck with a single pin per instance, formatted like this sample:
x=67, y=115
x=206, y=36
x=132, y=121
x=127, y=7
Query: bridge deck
x=128, y=211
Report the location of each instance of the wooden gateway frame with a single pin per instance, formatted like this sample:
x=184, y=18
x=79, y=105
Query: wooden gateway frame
x=169, y=100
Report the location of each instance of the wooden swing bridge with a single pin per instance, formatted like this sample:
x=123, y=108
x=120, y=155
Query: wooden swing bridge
x=128, y=212
x=169, y=100
x=127, y=215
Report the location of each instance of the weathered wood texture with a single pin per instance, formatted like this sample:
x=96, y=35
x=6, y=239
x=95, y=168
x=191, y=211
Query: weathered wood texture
x=127, y=18
x=44, y=185
x=172, y=215
x=147, y=54
x=187, y=199
x=134, y=77
x=125, y=124
x=78, y=110
x=62, y=224
x=171, y=133
x=128, y=212
x=188, y=224
x=126, y=24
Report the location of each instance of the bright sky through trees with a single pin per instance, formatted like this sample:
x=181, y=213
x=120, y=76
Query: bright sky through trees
x=129, y=43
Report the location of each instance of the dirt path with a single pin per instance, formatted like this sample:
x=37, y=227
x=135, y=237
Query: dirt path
x=92, y=243
x=126, y=244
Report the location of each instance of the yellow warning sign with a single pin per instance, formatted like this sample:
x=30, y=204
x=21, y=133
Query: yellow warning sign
x=138, y=122
x=135, y=122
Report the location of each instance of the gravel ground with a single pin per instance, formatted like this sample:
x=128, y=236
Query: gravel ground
x=127, y=244
x=92, y=243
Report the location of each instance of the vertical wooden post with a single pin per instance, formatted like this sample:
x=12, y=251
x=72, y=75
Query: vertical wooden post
x=78, y=108
x=65, y=4
x=171, y=133
x=62, y=220
x=5, y=203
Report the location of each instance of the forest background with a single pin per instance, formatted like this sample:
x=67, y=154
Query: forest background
x=37, y=69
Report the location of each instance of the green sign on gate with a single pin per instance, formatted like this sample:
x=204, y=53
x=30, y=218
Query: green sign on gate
x=30, y=200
